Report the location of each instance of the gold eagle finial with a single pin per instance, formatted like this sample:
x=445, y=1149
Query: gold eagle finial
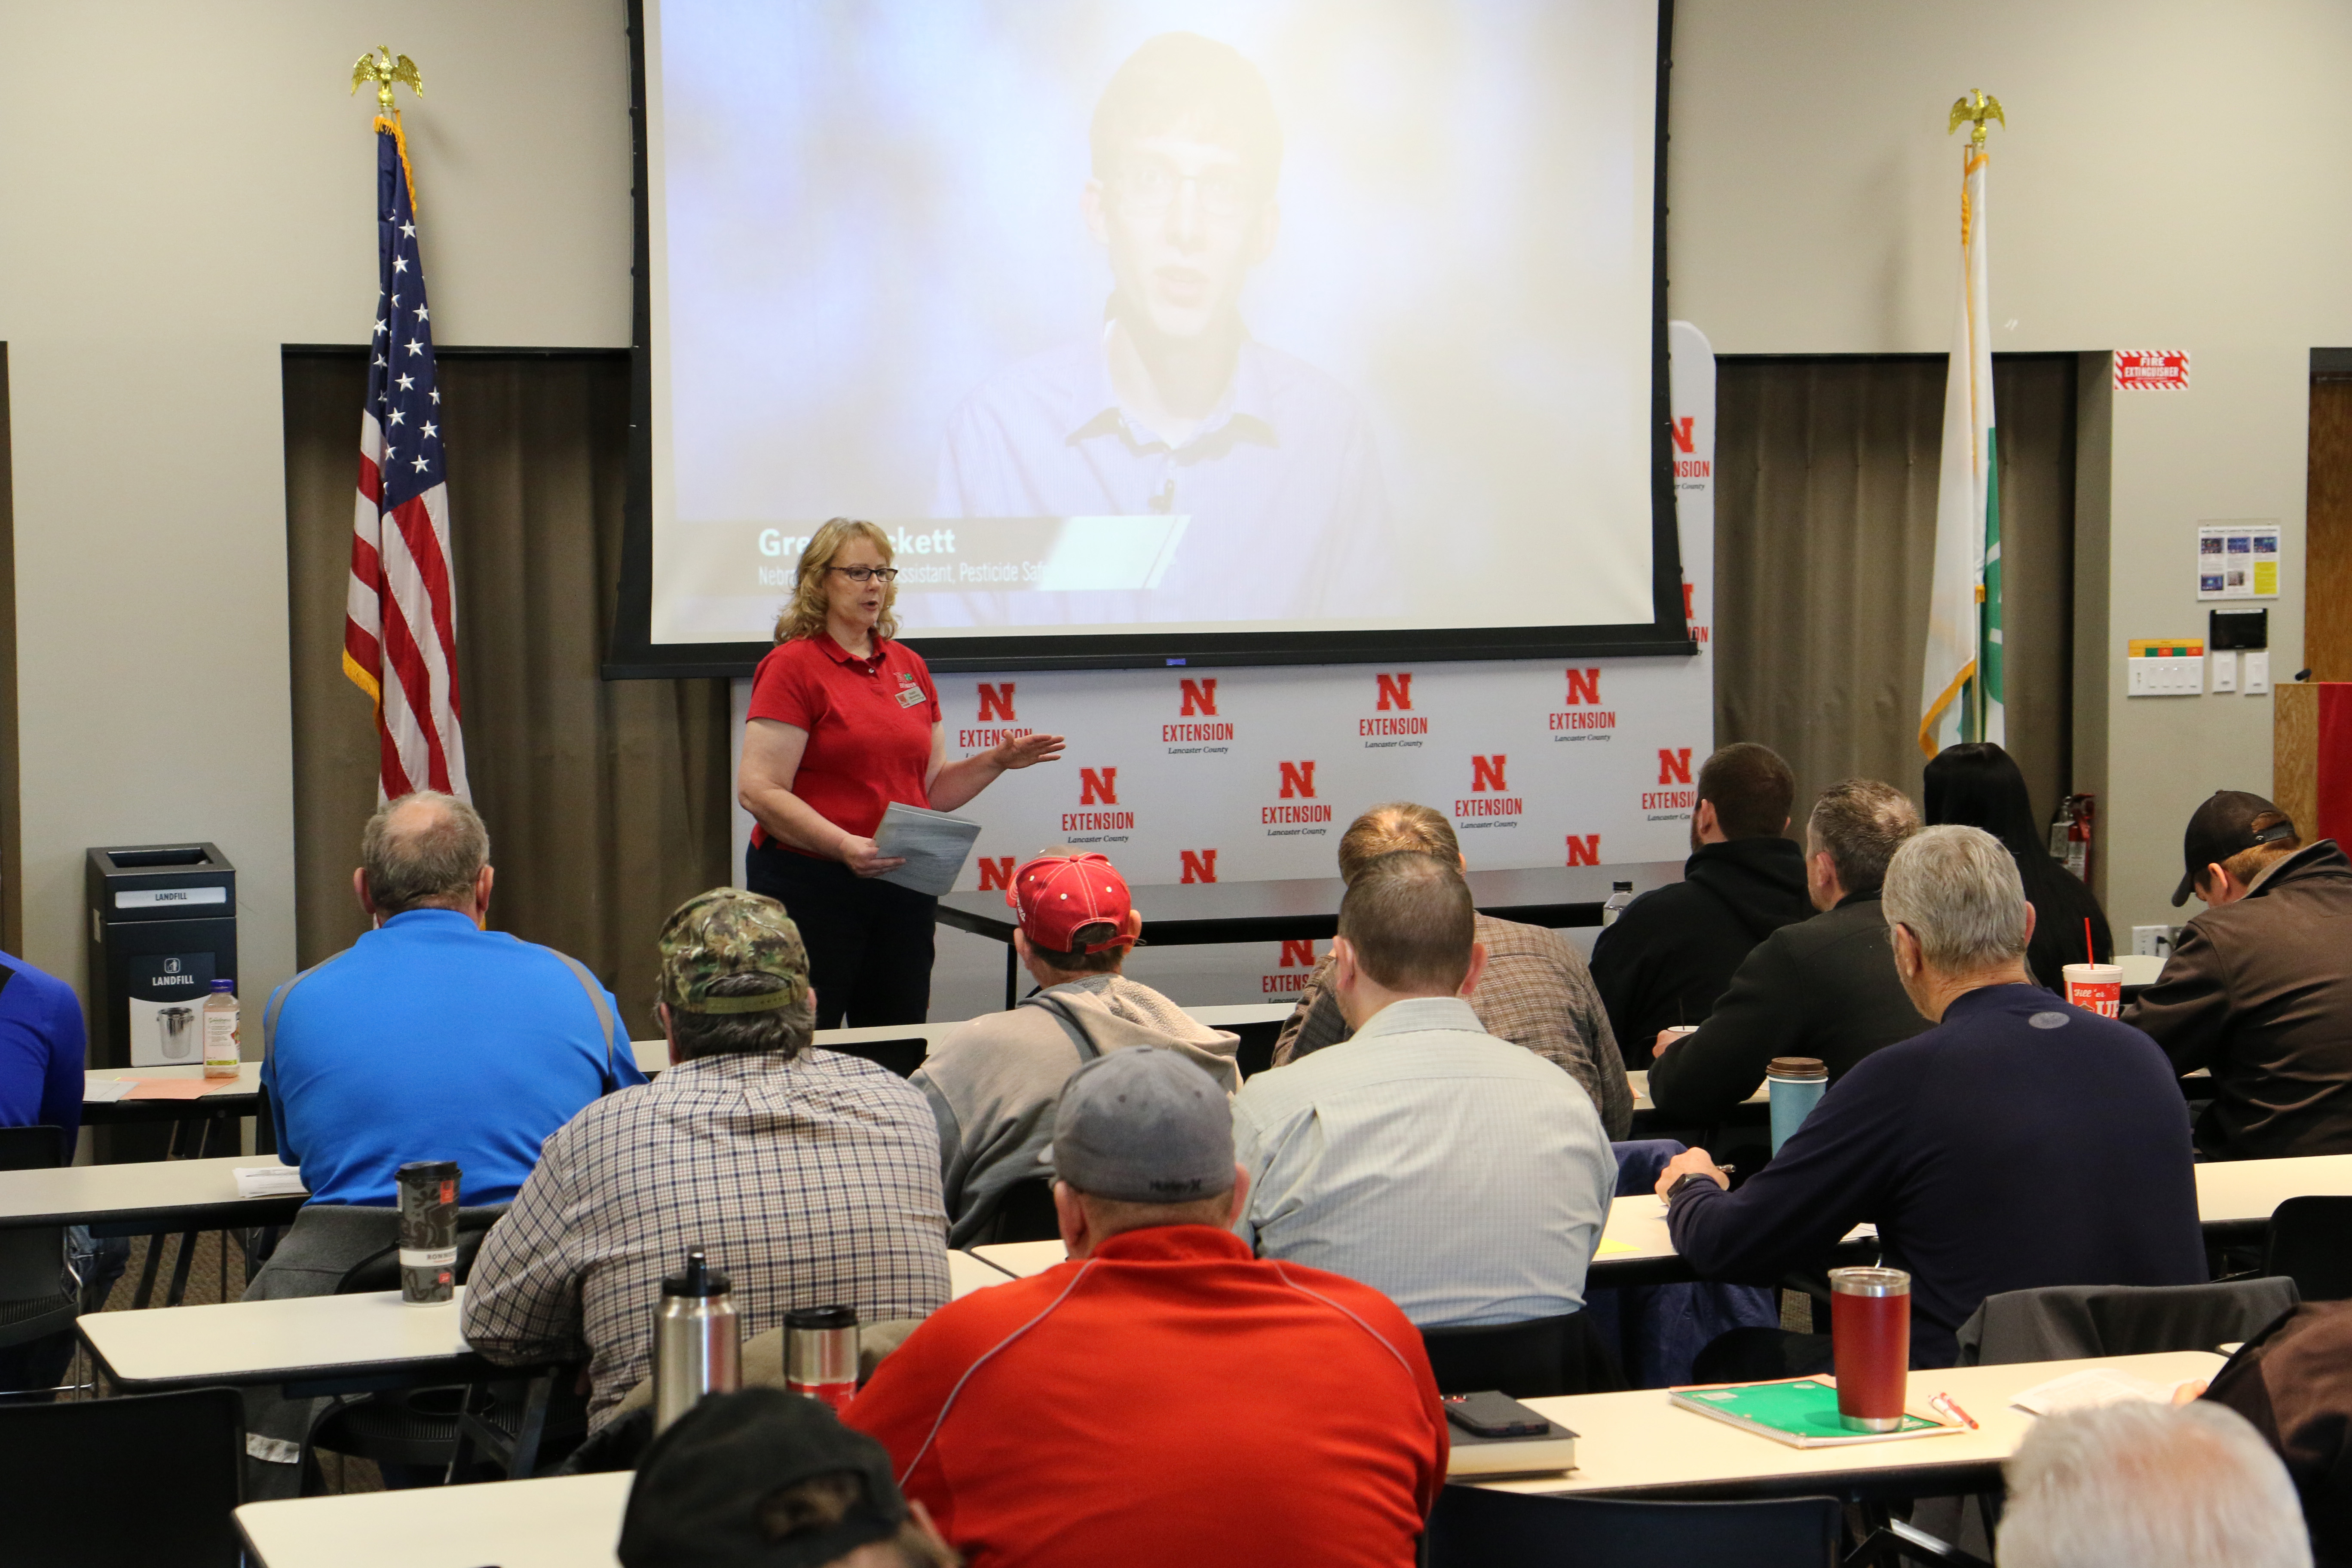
x=383, y=69
x=1976, y=109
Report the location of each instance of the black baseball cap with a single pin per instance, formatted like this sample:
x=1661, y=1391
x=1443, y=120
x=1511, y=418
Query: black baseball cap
x=2231, y=821
x=699, y=1495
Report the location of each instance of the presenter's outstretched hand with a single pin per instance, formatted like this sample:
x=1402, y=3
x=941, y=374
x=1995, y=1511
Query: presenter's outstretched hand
x=1020, y=750
x=861, y=857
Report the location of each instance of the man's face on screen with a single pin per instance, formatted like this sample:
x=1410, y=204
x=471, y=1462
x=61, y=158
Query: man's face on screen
x=1184, y=220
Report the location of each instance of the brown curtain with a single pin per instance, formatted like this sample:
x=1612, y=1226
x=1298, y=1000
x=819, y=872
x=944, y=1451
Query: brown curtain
x=607, y=801
x=1826, y=526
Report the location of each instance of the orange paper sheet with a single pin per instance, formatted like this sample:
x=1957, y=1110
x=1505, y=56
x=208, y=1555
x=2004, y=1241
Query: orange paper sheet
x=178, y=1087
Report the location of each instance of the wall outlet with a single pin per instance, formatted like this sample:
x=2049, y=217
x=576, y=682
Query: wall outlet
x=2174, y=677
x=2152, y=941
x=2225, y=671
x=2258, y=673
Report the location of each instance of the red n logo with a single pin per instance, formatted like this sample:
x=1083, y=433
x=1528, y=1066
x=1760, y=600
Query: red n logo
x=1298, y=780
x=1200, y=697
x=1584, y=851
x=995, y=873
x=1683, y=441
x=1583, y=686
x=1688, y=614
x=1100, y=785
x=1298, y=954
x=1673, y=766
x=996, y=702
x=1396, y=691
x=1200, y=865
x=1487, y=773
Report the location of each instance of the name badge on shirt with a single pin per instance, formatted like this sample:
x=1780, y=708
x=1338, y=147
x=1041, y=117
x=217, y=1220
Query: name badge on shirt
x=910, y=696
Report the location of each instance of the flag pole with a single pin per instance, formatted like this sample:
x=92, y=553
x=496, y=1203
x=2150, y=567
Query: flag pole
x=1983, y=698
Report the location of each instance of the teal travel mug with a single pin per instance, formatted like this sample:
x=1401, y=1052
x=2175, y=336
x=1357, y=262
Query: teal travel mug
x=1796, y=1085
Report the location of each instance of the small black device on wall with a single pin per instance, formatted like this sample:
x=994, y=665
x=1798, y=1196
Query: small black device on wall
x=162, y=928
x=2227, y=629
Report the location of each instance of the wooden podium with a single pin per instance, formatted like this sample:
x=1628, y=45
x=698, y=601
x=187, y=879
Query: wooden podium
x=2311, y=756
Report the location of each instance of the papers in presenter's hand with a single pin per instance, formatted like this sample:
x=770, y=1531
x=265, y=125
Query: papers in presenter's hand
x=268, y=1180
x=933, y=844
x=2090, y=1389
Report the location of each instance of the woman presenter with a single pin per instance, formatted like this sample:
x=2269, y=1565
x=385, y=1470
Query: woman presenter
x=843, y=721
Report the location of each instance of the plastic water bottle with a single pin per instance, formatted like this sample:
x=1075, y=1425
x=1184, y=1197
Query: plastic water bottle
x=1621, y=894
x=222, y=1057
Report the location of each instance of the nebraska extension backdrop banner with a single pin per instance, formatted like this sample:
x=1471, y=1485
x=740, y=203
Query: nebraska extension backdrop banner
x=1248, y=774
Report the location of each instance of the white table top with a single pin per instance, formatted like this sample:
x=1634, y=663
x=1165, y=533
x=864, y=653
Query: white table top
x=248, y=1079
x=305, y=1337
x=967, y=1273
x=1641, y=1082
x=141, y=1189
x=560, y=1522
x=2233, y=1192
x=1639, y=1441
x=652, y=1056
x=1022, y=1259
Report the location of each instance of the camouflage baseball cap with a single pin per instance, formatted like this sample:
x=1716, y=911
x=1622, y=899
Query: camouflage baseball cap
x=724, y=932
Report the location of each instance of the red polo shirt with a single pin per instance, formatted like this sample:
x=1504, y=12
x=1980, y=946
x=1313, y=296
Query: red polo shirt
x=869, y=722
x=1171, y=1401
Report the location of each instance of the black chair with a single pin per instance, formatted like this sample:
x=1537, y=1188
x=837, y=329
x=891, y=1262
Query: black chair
x=147, y=1479
x=511, y=1420
x=1473, y=1527
x=1532, y=1359
x=2310, y=1242
x=38, y=1298
x=1024, y=1213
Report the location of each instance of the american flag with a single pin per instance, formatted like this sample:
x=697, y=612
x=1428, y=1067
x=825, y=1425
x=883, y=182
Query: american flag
x=400, y=632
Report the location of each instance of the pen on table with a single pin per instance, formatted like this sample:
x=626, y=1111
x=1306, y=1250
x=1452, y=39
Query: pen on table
x=1950, y=1406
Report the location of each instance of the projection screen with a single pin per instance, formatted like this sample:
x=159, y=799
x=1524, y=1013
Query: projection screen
x=1156, y=330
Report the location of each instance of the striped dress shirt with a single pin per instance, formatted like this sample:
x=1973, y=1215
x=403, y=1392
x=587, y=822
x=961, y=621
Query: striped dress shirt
x=810, y=1183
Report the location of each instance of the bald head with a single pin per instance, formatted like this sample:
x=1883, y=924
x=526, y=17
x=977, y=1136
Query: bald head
x=424, y=851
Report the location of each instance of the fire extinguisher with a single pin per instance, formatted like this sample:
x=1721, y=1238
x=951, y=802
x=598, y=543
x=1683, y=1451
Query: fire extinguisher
x=2070, y=833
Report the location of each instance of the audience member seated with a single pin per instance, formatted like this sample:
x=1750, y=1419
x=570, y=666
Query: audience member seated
x=1162, y=1397
x=2151, y=1486
x=2259, y=987
x=1977, y=785
x=2294, y=1383
x=1672, y=953
x=1459, y=1176
x=764, y=1479
x=994, y=1083
x=2020, y=1143
x=1535, y=990
x=1824, y=987
x=42, y=1053
x=432, y=1037
x=810, y=1178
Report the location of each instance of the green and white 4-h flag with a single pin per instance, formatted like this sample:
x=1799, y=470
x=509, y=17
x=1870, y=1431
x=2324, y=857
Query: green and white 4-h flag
x=1960, y=689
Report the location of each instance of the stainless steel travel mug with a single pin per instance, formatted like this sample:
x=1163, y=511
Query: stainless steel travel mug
x=697, y=1341
x=821, y=1353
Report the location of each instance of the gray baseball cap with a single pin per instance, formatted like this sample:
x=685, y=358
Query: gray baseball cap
x=1144, y=1125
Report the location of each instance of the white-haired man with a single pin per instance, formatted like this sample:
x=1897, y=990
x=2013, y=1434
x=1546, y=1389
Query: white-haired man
x=2153, y=1486
x=1968, y=1145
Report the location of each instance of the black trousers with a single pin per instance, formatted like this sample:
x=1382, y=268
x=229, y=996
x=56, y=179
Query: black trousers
x=870, y=943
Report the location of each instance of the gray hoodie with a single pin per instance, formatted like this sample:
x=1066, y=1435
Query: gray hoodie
x=995, y=1083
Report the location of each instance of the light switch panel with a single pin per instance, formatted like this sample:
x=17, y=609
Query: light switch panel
x=2225, y=671
x=2174, y=677
x=2258, y=672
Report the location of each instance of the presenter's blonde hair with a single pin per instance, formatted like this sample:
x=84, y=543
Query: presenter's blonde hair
x=803, y=616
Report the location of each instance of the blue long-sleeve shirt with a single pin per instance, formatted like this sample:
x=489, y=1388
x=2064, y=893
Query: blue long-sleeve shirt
x=43, y=1050
x=2020, y=1143
x=431, y=1039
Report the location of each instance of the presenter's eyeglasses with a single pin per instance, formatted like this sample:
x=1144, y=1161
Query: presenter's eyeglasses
x=863, y=574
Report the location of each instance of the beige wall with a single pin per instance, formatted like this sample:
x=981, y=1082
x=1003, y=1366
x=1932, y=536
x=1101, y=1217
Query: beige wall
x=2171, y=178
x=182, y=190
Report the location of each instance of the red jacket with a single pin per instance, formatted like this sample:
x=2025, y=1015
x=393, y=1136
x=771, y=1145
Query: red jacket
x=1171, y=1400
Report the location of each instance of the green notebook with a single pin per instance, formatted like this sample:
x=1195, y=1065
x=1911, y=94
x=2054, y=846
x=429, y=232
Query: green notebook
x=1800, y=1411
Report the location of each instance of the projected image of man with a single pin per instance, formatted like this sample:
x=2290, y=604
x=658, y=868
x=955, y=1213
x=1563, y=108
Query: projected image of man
x=1171, y=406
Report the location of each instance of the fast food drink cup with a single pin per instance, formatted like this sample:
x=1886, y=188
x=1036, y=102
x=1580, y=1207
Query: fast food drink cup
x=2096, y=988
x=1870, y=1335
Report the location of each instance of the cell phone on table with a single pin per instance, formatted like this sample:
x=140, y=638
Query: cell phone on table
x=1494, y=1414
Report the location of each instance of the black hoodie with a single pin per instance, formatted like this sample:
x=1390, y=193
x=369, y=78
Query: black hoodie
x=1669, y=956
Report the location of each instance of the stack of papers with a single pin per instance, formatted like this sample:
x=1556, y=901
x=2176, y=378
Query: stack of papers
x=269, y=1181
x=933, y=844
x=106, y=1091
x=2090, y=1389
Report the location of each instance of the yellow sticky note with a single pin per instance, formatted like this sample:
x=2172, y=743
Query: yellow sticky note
x=1611, y=1248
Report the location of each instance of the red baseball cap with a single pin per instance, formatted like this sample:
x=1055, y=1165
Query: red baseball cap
x=1072, y=903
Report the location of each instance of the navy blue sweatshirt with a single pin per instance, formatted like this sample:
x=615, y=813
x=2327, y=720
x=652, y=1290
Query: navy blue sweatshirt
x=42, y=1047
x=2020, y=1143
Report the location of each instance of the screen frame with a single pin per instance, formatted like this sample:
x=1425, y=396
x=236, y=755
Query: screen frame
x=632, y=655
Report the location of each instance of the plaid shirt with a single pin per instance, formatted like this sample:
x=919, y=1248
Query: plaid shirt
x=1537, y=991
x=811, y=1183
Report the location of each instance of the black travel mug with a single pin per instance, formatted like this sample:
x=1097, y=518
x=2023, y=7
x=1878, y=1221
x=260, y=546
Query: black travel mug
x=428, y=1231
